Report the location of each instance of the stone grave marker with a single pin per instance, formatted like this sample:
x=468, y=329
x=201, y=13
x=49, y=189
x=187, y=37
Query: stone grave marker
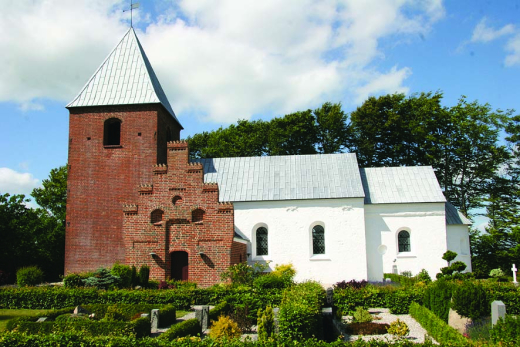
x=498, y=310
x=155, y=319
x=202, y=315
x=41, y=319
x=514, y=269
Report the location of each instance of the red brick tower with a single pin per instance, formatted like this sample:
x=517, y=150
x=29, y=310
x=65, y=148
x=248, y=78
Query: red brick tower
x=119, y=127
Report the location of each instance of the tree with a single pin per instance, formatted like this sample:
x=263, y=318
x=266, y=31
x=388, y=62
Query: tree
x=332, y=130
x=460, y=142
x=293, y=134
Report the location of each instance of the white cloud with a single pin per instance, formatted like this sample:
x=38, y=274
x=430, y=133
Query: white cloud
x=221, y=60
x=14, y=182
x=513, y=46
x=484, y=33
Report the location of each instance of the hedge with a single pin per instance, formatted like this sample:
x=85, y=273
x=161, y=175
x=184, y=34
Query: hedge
x=137, y=328
x=397, y=299
x=190, y=327
x=435, y=326
x=219, y=310
x=403, y=280
x=59, y=297
x=14, y=339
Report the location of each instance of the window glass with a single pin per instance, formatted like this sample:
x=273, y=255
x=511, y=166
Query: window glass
x=404, y=241
x=318, y=240
x=261, y=241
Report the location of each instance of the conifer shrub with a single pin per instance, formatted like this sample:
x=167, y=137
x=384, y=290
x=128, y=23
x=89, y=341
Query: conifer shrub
x=134, y=280
x=124, y=272
x=29, y=276
x=362, y=316
x=144, y=276
x=470, y=300
x=437, y=298
x=224, y=328
x=102, y=279
x=398, y=328
x=265, y=324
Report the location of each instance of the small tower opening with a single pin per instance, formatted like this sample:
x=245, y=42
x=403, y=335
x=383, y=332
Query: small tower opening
x=112, y=132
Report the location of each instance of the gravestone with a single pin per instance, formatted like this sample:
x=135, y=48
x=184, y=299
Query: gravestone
x=514, y=269
x=498, y=310
x=330, y=296
x=276, y=311
x=202, y=315
x=155, y=319
x=80, y=309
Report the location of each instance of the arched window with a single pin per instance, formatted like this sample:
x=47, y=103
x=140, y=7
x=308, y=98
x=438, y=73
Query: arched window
x=156, y=216
x=403, y=238
x=197, y=215
x=177, y=200
x=318, y=240
x=112, y=132
x=262, y=247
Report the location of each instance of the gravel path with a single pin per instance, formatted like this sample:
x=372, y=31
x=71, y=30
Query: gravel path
x=416, y=330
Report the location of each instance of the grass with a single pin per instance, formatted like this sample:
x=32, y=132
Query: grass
x=181, y=313
x=6, y=315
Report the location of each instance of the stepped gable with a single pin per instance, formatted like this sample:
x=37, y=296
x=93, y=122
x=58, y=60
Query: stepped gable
x=175, y=212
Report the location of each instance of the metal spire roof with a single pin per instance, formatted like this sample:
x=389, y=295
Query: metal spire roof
x=125, y=77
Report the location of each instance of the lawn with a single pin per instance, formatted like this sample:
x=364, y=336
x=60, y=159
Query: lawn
x=6, y=314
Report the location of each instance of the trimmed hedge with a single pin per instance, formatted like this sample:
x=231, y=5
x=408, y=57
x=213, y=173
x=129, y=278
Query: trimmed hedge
x=435, y=326
x=59, y=297
x=397, y=299
x=219, y=310
x=137, y=328
x=403, y=280
x=71, y=339
x=190, y=327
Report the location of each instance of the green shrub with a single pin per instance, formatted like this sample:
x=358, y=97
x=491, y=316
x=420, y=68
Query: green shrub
x=243, y=274
x=437, y=298
x=435, y=326
x=423, y=276
x=29, y=276
x=102, y=279
x=362, y=316
x=265, y=324
x=449, y=256
x=470, y=300
x=507, y=330
x=286, y=272
x=74, y=280
x=398, y=328
x=300, y=311
x=402, y=280
x=167, y=315
x=399, y=301
x=496, y=273
x=124, y=272
x=224, y=328
x=190, y=327
x=270, y=281
x=114, y=313
x=219, y=310
x=144, y=276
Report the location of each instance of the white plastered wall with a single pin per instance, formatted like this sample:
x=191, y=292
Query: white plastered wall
x=427, y=227
x=289, y=224
x=458, y=242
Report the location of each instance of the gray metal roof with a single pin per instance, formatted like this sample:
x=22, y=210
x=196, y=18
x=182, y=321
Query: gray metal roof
x=453, y=216
x=291, y=177
x=124, y=78
x=387, y=185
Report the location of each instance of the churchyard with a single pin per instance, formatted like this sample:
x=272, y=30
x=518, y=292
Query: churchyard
x=121, y=306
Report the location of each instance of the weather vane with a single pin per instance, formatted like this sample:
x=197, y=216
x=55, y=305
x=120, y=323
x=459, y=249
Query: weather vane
x=132, y=7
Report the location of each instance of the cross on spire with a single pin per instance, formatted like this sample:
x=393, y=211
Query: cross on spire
x=131, y=9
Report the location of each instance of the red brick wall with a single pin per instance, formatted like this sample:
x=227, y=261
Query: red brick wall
x=238, y=253
x=209, y=243
x=101, y=179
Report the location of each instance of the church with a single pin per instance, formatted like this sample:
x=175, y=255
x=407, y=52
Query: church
x=135, y=197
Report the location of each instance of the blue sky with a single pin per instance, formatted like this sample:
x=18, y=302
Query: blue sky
x=220, y=61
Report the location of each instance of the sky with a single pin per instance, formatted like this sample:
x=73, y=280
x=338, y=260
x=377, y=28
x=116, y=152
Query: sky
x=223, y=60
